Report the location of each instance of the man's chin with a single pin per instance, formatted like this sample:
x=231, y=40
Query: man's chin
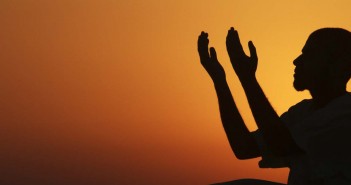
x=299, y=87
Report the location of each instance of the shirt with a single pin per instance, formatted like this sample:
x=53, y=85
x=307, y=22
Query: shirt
x=325, y=136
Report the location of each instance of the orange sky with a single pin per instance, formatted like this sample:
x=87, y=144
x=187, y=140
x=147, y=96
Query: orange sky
x=112, y=92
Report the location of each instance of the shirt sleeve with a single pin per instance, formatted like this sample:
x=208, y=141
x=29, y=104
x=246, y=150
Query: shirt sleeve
x=269, y=160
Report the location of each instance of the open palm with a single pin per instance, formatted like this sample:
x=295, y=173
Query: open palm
x=209, y=60
x=244, y=66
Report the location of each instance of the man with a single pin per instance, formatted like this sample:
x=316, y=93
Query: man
x=314, y=136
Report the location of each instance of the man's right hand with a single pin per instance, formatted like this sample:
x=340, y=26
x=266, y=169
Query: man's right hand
x=209, y=60
x=244, y=66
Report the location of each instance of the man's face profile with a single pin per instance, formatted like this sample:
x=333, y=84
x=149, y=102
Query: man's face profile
x=311, y=67
x=325, y=61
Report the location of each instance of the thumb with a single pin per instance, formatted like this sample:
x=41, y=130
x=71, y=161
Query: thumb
x=213, y=54
x=253, y=53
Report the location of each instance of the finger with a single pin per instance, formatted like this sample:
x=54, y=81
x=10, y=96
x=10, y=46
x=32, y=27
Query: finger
x=203, y=45
x=253, y=53
x=233, y=41
x=204, y=34
x=237, y=43
x=213, y=54
x=202, y=42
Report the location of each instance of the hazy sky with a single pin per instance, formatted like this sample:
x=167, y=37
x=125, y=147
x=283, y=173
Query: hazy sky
x=112, y=92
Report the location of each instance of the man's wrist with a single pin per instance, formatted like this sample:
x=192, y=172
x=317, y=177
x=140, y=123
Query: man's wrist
x=248, y=79
x=219, y=81
x=248, y=82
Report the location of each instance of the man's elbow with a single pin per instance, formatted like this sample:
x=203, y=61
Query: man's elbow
x=246, y=155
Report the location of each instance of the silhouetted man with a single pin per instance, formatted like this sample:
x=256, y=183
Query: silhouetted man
x=313, y=138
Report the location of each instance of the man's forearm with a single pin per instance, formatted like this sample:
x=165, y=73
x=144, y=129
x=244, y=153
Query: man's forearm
x=240, y=139
x=275, y=133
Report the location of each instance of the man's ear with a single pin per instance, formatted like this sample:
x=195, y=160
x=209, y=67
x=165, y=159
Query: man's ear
x=341, y=69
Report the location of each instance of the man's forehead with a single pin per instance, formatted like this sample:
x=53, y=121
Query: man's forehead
x=307, y=47
x=313, y=44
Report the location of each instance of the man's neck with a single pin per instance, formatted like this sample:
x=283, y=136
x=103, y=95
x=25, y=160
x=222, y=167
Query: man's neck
x=323, y=96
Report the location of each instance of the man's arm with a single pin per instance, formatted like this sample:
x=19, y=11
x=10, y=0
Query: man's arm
x=275, y=133
x=241, y=140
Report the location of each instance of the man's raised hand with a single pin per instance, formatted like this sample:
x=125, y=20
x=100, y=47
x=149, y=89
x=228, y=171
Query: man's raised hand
x=244, y=66
x=209, y=60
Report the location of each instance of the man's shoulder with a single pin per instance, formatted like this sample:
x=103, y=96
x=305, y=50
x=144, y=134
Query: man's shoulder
x=302, y=106
x=338, y=106
x=297, y=112
x=306, y=103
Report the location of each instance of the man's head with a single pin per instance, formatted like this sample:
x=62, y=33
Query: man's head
x=325, y=60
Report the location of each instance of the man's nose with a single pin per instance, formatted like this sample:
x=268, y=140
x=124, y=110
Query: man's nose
x=297, y=60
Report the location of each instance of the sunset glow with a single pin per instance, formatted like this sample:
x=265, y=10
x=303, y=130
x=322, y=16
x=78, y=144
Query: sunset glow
x=113, y=92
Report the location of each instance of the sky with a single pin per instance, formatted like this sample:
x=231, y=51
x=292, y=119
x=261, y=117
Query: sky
x=112, y=92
